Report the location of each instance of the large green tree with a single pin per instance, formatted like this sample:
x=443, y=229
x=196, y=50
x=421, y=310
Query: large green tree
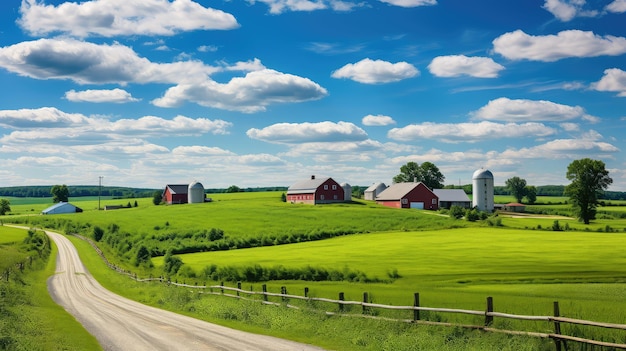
x=60, y=193
x=5, y=206
x=531, y=194
x=589, y=180
x=517, y=187
x=426, y=173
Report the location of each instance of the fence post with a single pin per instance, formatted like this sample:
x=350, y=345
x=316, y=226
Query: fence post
x=557, y=327
x=416, y=303
x=238, y=287
x=222, y=284
x=341, y=298
x=283, y=291
x=306, y=292
x=489, y=318
x=264, y=287
x=365, y=300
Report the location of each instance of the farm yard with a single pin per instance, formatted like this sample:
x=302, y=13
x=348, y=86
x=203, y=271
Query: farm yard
x=524, y=262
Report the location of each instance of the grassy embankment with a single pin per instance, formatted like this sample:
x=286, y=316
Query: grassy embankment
x=29, y=318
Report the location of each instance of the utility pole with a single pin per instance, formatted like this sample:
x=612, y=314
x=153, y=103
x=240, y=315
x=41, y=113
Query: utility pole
x=99, y=190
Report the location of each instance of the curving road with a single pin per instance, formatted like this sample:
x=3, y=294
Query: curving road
x=122, y=324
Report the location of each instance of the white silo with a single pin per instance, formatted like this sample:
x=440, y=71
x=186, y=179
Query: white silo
x=347, y=192
x=195, y=193
x=482, y=190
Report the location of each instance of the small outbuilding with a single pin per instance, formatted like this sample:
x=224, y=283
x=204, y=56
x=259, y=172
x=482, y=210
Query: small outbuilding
x=60, y=208
x=452, y=197
x=373, y=190
x=409, y=195
x=316, y=191
x=175, y=194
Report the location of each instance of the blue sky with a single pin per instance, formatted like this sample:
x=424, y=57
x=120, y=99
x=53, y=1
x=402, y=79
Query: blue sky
x=268, y=92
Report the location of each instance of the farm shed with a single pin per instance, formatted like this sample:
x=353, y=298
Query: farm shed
x=515, y=207
x=409, y=195
x=452, y=197
x=61, y=207
x=373, y=190
x=316, y=191
x=175, y=194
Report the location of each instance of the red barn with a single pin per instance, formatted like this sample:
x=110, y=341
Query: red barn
x=408, y=195
x=175, y=194
x=316, y=191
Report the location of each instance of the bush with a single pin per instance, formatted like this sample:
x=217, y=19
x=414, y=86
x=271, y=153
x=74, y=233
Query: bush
x=98, y=233
x=457, y=212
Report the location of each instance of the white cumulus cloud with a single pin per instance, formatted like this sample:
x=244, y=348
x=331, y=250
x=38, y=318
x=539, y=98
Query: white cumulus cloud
x=614, y=79
x=566, y=10
x=251, y=93
x=458, y=65
x=376, y=71
x=469, y=132
x=41, y=117
x=377, y=120
x=410, y=3
x=518, y=45
x=295, y=133
x=617, y=6
x=110, y=18
x=117, y=96
x=522, y=110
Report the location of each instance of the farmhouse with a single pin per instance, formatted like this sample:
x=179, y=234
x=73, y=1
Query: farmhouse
x=515, y=207
x=373, y=190
x=183, y=193
x=408, y=195
x=452, y=197
x=61, y=207
x=316, y=191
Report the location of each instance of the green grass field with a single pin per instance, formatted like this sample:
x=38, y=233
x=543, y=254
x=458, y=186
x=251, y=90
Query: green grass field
x=11, y=235
x=523, y=263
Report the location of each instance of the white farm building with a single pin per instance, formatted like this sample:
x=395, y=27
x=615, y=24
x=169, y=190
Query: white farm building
x=61, y=207
x=374, y=190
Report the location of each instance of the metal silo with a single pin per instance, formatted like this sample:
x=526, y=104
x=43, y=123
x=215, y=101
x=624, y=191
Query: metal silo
x=482, y=190
x=195, y=193
x=347, y=192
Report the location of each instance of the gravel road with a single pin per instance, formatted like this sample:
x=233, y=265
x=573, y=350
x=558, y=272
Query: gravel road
x=122, y=324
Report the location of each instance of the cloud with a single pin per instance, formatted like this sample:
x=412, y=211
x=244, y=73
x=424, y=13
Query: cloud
x=50, y=123
x=566, y=10
x=376, y=71
x=295, y=133
x=617, y=6
x=469, y=132
x=410, y=3
x=518, y=45
x=280, y=6
x=117, y=96
x=49, y=117
x=207, y=48
x=614, y=79
x=248, y=94
x=87, y=63
x=458, y=65
x=504, y=109
x=563, y=148
x=378, y=120
x=334, y=48
x=109, y=18
x=199, y=151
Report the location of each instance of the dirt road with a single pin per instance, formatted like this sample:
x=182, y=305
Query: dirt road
x=122, y=324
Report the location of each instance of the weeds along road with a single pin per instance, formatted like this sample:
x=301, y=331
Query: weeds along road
x=122, y=324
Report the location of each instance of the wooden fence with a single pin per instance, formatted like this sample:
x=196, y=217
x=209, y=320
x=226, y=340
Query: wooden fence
x=560, y=339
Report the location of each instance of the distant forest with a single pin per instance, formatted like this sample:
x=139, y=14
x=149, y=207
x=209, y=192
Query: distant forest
x=129, y=193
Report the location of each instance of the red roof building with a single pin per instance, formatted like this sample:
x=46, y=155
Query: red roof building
x=175, y=194
x=409, y=195
x=316, y=191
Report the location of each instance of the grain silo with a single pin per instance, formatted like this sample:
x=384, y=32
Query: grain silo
x=195, y=193
x=347, y=192
x=482, y=190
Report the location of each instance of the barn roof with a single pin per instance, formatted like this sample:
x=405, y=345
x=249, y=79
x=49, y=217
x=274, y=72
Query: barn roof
x=308, y=185
x=375, y=186
x=59, y=205
x=178, y=188
x=451, y=195
x=398, y=191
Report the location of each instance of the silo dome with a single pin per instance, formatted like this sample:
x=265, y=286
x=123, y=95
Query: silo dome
x=195, y=193
x=482, y=190
x=482, y=174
